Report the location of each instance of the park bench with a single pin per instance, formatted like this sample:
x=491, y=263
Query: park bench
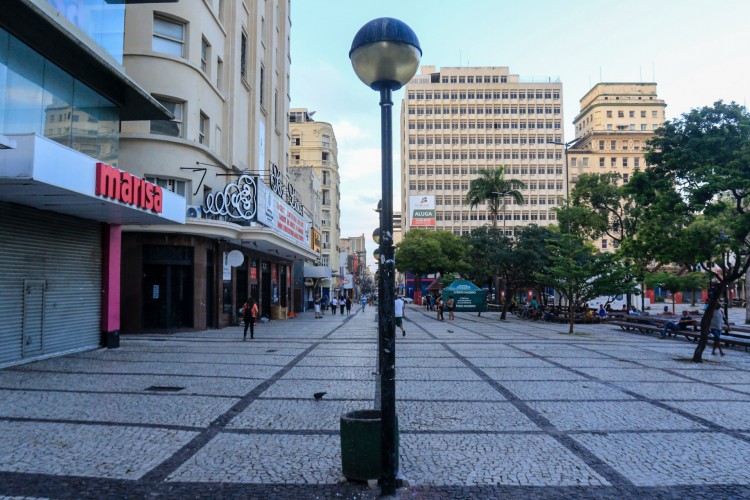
x=739, y=335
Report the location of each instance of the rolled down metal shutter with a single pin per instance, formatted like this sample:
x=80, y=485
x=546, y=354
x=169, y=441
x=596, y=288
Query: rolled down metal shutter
x=53, y=262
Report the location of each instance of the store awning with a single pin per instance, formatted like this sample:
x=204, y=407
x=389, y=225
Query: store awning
x=317, y=272
x=46, y=175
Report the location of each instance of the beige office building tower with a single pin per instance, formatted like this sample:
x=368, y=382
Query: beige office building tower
x=313, y=144
x=614, y=124
x=460, y=119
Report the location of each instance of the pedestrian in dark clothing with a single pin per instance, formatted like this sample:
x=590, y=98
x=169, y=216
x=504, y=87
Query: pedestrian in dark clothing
x=439, y=306
x=348, y=305
x=342, y=304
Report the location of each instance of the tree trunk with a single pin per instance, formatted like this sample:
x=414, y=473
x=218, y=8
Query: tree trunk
x=747, y=292
x=571, y=317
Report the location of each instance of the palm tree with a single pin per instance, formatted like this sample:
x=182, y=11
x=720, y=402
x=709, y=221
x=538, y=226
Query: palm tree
x=492, y=186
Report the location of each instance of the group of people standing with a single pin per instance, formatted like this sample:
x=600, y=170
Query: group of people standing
x=436, y=303
x=340, y=303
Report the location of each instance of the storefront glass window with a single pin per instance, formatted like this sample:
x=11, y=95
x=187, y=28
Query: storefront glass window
x=37, y=96
x=101, y=20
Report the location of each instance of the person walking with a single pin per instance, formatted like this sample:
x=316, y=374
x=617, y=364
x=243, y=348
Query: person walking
x=249, y=313
x=342, y=304
x=334, y=305
x=451, y=303
x=399, y=314
x=717, y=323
x=439, y=307
x=316, y=305
x=363, y=301
x=348, y=305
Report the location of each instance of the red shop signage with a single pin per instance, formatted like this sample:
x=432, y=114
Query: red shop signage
x=121, y=186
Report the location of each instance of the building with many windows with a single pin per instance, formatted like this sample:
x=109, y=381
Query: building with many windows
x=313, y=144
x=222, y=69
x=612, y=128
x=460, y=119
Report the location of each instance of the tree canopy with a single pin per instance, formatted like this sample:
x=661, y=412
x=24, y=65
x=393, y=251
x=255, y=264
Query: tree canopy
x=492, y=186
x=696, y=196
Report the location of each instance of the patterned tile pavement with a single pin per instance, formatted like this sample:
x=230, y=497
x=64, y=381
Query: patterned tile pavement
x=487, y=409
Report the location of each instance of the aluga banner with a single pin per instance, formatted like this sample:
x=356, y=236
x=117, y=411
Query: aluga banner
x=422, y=211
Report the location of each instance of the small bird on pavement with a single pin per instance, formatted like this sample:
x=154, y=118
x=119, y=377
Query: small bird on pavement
x=319, y=395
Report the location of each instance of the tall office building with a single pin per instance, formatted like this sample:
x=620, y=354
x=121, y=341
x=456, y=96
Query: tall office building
x=222, y=68
x=460, y=119
x=612, y=128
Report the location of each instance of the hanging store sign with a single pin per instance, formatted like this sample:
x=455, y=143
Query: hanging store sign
x=237, y=200
x=275, y=213
x=126, y=188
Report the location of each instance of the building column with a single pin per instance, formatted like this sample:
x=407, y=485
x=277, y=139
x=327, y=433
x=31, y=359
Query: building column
x=111, y=253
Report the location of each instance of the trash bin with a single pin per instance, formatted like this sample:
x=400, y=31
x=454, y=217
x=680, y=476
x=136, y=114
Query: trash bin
x=360, y=444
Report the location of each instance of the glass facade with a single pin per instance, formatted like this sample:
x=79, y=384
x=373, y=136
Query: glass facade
x=101, y=21
x=36, y=96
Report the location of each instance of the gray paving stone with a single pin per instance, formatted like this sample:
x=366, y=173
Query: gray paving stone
x=564, y=390
x=264, y=459
x=462, y=416
x=158, y=409
x=482, y=459
x=611, y=416
x=651, y=459
x=85, y=450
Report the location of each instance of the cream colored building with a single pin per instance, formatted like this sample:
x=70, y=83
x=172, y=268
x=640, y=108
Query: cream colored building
x=313, y=144
x=615, y=121
x=222, y=68
x=459, y=119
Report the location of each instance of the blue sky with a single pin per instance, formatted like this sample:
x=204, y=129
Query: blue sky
x=696, y=51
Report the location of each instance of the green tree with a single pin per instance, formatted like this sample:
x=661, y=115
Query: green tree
x=696, y=196
x=423, y=251
x=492, y=186
x=486, y=249
x=675, y=283
x=580, y=274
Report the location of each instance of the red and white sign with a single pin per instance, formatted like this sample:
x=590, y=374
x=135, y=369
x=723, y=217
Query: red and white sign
x=126, y=188
x=281, y=218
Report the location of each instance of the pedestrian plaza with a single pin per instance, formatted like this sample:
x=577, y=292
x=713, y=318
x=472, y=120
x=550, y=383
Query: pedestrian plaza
x=486, y=409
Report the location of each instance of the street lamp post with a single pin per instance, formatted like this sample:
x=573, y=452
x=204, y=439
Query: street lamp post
x=385, y=55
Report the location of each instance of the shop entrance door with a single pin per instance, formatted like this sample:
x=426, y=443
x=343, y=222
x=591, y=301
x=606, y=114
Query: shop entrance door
x=167, y=287
x=265, y=289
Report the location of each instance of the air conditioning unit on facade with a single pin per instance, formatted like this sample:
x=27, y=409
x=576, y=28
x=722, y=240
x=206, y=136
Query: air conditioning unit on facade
x=194, y=211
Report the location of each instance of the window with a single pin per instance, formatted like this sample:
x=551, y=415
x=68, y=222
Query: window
x=609, y=114
x=172, y=127
x=601, y=162
x=613, y=162
x=631, y=114
x=169, y=36
x=219, y=73
x=643, y=114
x=204, y=55
x=604, y=244
x=601, y=144
x=624, y=162
x=243, y=56
x=612, y=145
x=644, y=126
x=620, y=114
x=203, y=129
x=636, y=162
x=174, y=185
x=261, y=85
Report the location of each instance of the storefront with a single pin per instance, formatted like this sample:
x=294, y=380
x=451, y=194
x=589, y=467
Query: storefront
x=60, y=246
x=196, y=276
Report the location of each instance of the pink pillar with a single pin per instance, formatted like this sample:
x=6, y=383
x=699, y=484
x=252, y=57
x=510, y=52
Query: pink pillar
x=111, y=284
